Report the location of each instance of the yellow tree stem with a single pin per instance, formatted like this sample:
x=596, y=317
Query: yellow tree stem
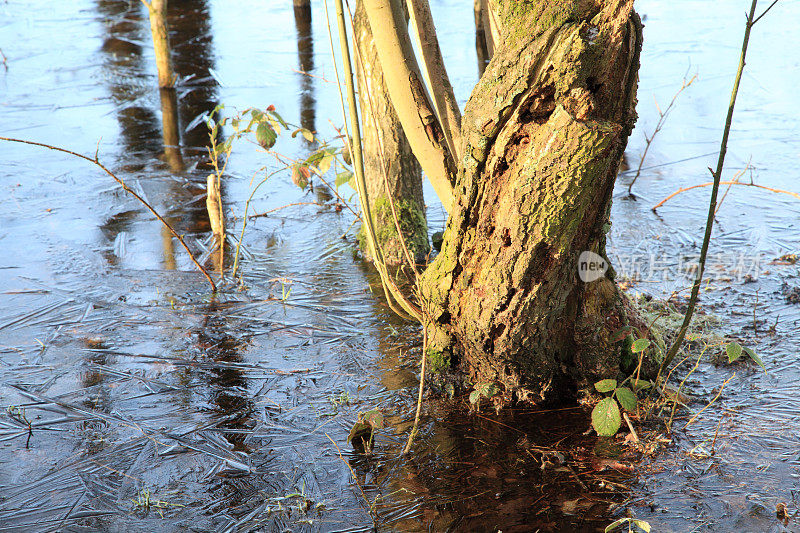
x=408, y=95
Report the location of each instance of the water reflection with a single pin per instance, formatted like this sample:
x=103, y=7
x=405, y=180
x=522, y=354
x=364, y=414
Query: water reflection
x=305, y=54
x=193, y=61
x=181, y=109
x=170, y=130
x=125, y=75
x=227, y=384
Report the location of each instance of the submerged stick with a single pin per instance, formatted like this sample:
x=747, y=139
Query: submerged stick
x=712, y=206
x=127, y=189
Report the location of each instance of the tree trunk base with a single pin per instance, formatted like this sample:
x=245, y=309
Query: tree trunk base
x=544, y=132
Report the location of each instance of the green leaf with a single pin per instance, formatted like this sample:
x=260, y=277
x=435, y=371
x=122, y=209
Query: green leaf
x=275, y=125
x=606, y=385
x=374, y=418
x=279, y=118
x=325, y=163
x=626, y=397
x=641, y=524
x=755, y=358
x=266, y=136
x=487, y=390
x=346, y=155
x=616, y=523
x=734, y=351
x=606, y=419
x=359, y=429
x=474, y=397
x=300, y=175
x=343, y=177
x=306, y=133
x=640, y=345
x=641, y=384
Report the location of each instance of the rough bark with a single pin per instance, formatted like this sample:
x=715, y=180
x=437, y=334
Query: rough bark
x=543, y=134
x=389, y=162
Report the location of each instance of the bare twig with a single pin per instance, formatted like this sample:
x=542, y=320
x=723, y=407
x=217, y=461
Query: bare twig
x=765, y=12
x=714, y=191
x=127, y=189
x=630, y=427
x=266, y=213
x=736, y=179
x=662, y=117
x=381, y=149
x=355, y=478
x=391, y=291
x=719, y=393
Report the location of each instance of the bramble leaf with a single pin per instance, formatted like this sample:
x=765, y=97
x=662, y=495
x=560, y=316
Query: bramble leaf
x=755, y=358
x=266, y=136
x=606, y=418
x=626, y=397
x=640, y=345
x=606, y=385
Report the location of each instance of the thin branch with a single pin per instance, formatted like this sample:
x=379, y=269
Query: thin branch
x=129, y=191
x=415, y=427
x=266, y=213
x=713, y=202
x=355, y=478
x=719, y=393
x=732, y=182
x=391, y=291
x=662, y=117
x=735, y=179
x=764, y=13
x=382, y=153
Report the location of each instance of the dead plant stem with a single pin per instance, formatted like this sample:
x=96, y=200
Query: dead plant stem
x=415, y=427
x=719, y=393
x=127, y=189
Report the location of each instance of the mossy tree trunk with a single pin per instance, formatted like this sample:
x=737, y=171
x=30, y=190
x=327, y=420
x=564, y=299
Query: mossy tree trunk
x=389, y=164
x=543, y=134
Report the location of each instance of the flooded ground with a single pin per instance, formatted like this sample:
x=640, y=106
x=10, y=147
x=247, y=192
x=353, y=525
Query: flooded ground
x=133, y=399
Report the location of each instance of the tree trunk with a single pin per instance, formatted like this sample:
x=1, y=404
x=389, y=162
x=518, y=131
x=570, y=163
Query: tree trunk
x=481, y=43
x=543, y=134
x=158, y=27
x=388, y=159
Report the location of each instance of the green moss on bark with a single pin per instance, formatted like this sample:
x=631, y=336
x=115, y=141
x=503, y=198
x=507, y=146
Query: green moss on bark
x=412, y=224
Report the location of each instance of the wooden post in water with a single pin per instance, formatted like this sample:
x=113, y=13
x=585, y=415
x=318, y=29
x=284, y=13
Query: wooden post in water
x=158, y=27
